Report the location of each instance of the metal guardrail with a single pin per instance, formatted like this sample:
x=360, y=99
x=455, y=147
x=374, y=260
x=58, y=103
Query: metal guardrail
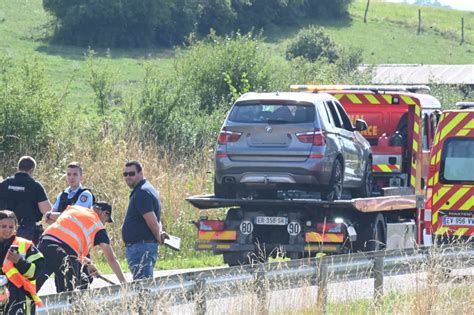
x=200, y=286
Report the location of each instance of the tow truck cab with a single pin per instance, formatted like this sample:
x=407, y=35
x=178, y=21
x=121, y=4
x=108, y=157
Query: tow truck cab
x=450, y=191
x=392, y=126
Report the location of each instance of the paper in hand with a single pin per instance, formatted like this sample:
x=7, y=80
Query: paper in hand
x=173, y=242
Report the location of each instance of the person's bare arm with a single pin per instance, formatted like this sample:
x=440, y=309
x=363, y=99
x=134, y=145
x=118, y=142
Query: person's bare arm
x=44, y=206
x=112, y=261
x=154, y=225
x=50, y=217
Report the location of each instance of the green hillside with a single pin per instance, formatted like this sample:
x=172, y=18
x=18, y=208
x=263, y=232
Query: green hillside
x=390, y=36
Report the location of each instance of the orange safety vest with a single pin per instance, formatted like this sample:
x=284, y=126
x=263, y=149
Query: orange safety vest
x=76, y=227
x=15, y=277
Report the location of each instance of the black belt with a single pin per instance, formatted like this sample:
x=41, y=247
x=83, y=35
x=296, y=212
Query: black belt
x=140, y=242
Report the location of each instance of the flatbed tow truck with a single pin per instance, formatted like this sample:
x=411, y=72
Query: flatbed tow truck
x=297, y=225
x=254, y=230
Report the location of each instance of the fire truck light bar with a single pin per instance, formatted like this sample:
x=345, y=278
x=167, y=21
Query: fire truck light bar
x=464, y=105
x=375, y=88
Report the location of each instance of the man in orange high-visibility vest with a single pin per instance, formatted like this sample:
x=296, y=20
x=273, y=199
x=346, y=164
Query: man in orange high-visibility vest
x=66, y=243
x=21, y=263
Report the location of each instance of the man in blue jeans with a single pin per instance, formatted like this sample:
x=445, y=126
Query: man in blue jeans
x=141, y=230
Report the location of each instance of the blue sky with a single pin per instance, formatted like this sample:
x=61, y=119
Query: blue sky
x=466, y=5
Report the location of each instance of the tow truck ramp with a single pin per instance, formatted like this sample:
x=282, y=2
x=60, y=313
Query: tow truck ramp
x=367, y=205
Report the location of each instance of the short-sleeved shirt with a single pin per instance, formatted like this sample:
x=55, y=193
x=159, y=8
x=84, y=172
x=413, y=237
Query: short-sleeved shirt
x=85, y=199
x=144, y=198
x=21, y=194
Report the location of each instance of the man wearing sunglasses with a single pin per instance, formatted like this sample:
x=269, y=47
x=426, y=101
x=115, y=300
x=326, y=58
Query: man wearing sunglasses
x=141, y=230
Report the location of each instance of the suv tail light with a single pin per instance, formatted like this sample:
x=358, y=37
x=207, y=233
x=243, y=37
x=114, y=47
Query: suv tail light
x=228, y=136
x=315, y=137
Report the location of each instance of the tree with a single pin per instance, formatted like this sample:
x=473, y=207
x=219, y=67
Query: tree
x=312, y=44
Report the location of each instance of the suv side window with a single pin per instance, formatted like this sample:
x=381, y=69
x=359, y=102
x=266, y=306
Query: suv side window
x=345, y=119
x=324, y=113
x=334, y=114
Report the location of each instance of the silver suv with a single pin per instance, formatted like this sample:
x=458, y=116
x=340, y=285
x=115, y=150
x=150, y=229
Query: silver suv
x=291, y=141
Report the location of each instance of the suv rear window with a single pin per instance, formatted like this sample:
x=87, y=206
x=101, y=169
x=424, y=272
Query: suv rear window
x=457, y=161
x=272, y=113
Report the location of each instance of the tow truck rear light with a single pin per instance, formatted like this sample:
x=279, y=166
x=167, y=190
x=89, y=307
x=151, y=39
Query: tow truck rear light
x=211, y=225
x=315, y=137
x=329, y=227
x=228, y=136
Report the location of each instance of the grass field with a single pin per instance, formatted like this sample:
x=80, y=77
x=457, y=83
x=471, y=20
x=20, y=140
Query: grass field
x=388, y=37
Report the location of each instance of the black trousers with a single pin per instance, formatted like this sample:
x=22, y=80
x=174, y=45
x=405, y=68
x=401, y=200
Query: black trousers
x=85, y=281
x=66, y=267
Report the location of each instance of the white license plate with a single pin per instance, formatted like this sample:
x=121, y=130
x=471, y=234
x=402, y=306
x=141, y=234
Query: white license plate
x=458, y=221
x=271, y=220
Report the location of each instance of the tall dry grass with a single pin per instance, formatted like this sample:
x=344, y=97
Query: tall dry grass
x=428, y=289
x=103, y=160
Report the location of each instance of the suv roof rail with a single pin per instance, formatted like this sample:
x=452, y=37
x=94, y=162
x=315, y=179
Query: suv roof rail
x=374, y=88
x=465, y=105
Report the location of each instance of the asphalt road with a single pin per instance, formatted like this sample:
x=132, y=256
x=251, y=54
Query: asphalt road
x=49, y=287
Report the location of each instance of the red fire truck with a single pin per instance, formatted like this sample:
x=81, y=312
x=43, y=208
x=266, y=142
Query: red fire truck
x=401, y=123
x=390, y=112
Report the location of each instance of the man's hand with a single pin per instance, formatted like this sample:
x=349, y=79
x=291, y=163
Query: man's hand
x=93, y=271
x=163, y=237
x=50, y=217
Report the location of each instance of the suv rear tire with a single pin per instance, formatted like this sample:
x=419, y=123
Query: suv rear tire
x=334, y=190
x=365, y=190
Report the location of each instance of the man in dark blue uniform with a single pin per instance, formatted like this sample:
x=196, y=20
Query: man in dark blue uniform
x=141, y=229
x=27, y=198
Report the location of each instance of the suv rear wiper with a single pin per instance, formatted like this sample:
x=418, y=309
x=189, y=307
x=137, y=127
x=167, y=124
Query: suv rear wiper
x=277, y=121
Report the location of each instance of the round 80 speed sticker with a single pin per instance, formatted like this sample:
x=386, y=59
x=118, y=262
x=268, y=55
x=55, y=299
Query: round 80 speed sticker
x=246, y=227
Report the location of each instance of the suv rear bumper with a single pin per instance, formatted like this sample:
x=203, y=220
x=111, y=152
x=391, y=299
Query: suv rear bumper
x=311, y=172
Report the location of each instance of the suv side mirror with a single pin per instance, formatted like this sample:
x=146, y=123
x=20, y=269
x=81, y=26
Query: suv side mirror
x=361, y=125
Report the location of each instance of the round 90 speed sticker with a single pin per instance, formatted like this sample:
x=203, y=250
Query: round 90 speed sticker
x=293, y=228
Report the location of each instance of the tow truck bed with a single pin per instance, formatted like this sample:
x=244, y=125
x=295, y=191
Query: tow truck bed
x=372, y=204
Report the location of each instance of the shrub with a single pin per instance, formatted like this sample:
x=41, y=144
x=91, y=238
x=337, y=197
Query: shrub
x=202, y=69
x=313, y=44
x=28, y=107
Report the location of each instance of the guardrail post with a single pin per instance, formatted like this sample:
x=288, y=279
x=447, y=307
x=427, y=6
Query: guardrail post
x=322, y=288
x=199, y=296
x=378, y=279
x=261, y=291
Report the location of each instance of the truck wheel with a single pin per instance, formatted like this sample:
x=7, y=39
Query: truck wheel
x=237, y=258
x=334, y=190
x=365, y=190
x=223, y=190
x=371, y=233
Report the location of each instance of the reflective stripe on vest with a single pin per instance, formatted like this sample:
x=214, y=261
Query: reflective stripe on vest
x=77, y=227
x=15, y=277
